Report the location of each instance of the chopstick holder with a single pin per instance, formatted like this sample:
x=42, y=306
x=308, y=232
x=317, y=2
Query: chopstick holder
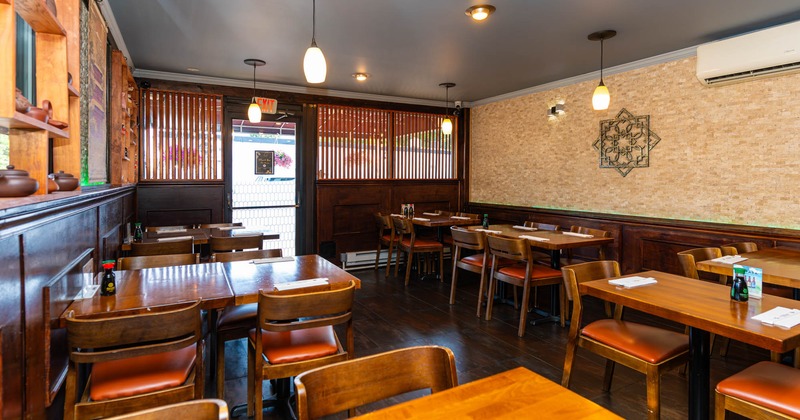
x=271, y=260
x=173, y=239
x=524, y=228
x=534, y=238
x=580, y=235
x=301, y=284
x=634, y=281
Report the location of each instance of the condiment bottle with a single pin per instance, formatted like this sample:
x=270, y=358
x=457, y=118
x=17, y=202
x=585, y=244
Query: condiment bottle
x=486, y=221
x=739, y=290
x=108, y=286
x=137, y=232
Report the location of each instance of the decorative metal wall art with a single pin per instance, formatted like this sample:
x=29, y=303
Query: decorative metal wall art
x=625, y=142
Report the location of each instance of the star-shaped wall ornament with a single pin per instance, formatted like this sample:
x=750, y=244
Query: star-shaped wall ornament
x=625, y=142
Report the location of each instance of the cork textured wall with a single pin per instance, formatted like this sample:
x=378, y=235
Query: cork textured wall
x=728, y=154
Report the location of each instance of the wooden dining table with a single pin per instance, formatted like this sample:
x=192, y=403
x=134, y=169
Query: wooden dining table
x=514, y=394
x=780, y=266
x=706, y=308
x=200, y=235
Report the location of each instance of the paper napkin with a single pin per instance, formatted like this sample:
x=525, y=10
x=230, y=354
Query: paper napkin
x=300, y=284
x=170, y=229
x=461, y=217
x=431, y=214
x=524, y=228
x=581, y=235
x=272, y=260
x=422, y=219
x=488, y=230
x=534, y=238
x=780, y=317
x=173, y=239
x=631, y=282
x=230, y=227
x=730, y=259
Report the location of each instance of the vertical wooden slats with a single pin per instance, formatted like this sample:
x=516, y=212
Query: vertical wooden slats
x=180, y=139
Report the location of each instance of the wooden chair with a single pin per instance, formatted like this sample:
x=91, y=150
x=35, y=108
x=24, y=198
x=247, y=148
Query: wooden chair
x=218, y=225
x=597, y=233
x=766, y=390
x=524, y=273
x=235, y=322
x=180, y=246
x=235, y=243
x=153, y=261
x=295, y=334
x=347, y=385
x=383, y=223
x=133, y=365
x=405, y=237
x=646, y=349
x=476, y=263
x=689, y=258
x=208, y=409
x=737, y=248
x=541, y=226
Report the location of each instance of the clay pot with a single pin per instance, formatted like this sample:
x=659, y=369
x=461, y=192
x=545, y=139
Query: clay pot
x=22, y=103
x=16, y=183
x=37, y=113
x=64, y=182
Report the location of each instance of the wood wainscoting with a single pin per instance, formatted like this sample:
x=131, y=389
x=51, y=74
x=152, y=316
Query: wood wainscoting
x=167, y=204
x=345, y=209
x=642, y=243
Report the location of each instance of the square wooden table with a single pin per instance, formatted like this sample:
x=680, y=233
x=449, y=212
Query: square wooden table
x=706, y=308
x=781, y=266
x=247, y=278
x=200, y=236
x=514, y=394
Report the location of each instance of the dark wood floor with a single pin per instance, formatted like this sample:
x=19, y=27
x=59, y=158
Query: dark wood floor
x=388, y=315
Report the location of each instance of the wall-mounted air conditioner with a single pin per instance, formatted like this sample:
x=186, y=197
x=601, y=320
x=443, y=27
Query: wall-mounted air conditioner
x=756, y=54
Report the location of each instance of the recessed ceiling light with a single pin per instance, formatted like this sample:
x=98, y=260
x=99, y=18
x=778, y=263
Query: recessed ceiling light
x=360, y=76
x=192, y=69
x=480, y=12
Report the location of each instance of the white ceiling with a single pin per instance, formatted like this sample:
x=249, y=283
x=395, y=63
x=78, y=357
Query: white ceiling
x=409, y=47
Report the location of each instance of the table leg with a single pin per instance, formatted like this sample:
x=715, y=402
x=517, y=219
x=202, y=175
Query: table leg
x=699, y=363
x=553, y=316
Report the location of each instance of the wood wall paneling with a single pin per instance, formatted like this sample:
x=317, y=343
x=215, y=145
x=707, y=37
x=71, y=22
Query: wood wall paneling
x=11, y=321
x=178, y=204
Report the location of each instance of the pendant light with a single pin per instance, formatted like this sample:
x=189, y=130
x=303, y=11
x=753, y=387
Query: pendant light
x=601, y=97
x=447, y=124
x=254, y=111
x=314, y=64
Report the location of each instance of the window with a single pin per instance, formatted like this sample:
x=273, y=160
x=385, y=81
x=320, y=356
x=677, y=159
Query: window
x=181, y=136
x=362, y=143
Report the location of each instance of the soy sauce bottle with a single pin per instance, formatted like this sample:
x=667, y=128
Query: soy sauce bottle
x=486, y=221
x=739, y=290
x=108, y=286
x=137, y=232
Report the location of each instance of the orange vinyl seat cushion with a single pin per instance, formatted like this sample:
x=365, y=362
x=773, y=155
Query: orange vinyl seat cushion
x=298, y=345
x=650, y=344
x=143, y=374
x=388, y=238
x=537, y=271
x=421, y=243
x=767, y=384
x=235, y=317
x=477, y=260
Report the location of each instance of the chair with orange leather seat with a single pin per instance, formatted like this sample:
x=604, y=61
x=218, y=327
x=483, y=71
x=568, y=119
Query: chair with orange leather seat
x=597, y=233
x=404, y=235
x=766, y=390
x=475, y=263
x=383, y=222
x=235, y=243
x=235, y=322
x=644, y=348
x=346, y=385
x=208, y=409
x=524, y=273
x=541, y=226
x=295, y=334
x=688, y=260
x=737, y=248
x=174, y=245
x=132, y=365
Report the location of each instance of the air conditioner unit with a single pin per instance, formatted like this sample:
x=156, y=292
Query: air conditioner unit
x=756, y=54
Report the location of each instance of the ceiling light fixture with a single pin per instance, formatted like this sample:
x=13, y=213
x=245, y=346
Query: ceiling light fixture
x=360, y=76
x=480, y=12
x=447, y=124
x=254, y=112
x=601, y=97
x=314, y=64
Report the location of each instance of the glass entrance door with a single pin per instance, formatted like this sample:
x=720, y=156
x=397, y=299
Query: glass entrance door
x=263, y=183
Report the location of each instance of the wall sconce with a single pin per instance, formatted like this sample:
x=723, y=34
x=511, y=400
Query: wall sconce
x=555, y=111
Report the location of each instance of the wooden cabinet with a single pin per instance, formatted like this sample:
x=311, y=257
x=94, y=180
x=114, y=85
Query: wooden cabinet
x=124, y=114
x=57, y=53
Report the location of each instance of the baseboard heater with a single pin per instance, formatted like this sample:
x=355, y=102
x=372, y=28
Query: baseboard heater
x=366, y=259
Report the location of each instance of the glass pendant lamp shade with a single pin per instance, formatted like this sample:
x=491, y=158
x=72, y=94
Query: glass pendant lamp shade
x=601, y=97
x=447, y=126
x=254, y=113
x=314, y=65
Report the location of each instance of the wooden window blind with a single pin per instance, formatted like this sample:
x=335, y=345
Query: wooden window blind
x=181, y=136
x=362, y=143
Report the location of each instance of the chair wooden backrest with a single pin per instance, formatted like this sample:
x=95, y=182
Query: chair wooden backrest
x=383, y=222
x=347, y=385
x=153, y=261
x=207, y=409
x=218, y=225
x=401, y=227
x=246, y=255
x=541, y=226
x=470, y=215
x=737, y=248
x=468, y=239
x=297, y=309
x=509, y=248
x=689, y=258
x=182, y=246
x=103, y=339
x=576, y=274
x=235, y=243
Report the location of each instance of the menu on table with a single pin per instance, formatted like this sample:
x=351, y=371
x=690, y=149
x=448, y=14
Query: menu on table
x=753, y=276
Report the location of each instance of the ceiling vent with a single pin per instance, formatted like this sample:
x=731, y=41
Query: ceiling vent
x=762, y=53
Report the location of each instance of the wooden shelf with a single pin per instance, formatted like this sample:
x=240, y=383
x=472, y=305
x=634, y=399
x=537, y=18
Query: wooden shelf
x=73, y=91
x=39, y=17
x=24, y=122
